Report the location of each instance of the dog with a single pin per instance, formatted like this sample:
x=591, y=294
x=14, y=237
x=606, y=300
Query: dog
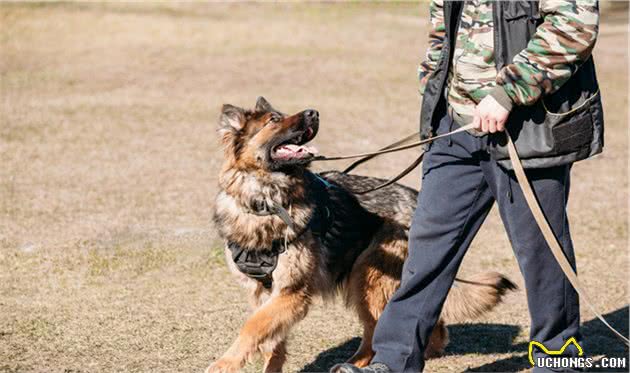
x=293, y=236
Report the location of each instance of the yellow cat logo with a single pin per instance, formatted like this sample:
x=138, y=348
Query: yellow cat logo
x=552, y=352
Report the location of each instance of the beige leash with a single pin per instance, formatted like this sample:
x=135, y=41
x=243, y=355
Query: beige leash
x=523, y=182
x=389, y=149
x=395, y=147
x=551, y=239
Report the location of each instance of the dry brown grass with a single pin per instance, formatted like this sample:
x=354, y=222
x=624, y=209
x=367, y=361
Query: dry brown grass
x=108, y=161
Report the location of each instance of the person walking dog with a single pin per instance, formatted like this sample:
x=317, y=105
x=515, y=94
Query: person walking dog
x=521, y=66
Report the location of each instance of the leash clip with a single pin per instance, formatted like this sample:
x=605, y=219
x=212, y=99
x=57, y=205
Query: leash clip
x=284, y=215
x=262, y=208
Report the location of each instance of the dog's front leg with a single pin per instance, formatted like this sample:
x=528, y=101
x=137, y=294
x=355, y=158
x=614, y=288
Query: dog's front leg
x=274, y=355
x=271, y=321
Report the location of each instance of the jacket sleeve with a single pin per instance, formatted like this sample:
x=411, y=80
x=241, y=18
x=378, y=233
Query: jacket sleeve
x=436, y=41
x=560, y=45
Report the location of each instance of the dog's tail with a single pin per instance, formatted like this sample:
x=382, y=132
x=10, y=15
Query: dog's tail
x=470, y=298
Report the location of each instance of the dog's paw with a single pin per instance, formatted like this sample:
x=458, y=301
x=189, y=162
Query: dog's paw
x=223, y=366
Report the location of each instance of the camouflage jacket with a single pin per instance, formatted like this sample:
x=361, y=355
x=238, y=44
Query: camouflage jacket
x=534, y=58
x=563, y=41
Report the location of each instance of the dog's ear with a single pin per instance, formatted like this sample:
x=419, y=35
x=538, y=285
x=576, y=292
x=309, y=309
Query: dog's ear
x=232, y=119
x=263, y=105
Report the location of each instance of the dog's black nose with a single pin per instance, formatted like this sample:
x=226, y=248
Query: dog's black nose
x=311, y=114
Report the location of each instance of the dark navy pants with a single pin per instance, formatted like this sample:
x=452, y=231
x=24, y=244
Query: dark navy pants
x=460, y=185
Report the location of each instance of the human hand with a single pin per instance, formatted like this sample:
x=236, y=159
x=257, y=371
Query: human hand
x=490, y=116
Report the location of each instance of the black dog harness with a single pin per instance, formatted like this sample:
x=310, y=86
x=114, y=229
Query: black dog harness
x=259, y=263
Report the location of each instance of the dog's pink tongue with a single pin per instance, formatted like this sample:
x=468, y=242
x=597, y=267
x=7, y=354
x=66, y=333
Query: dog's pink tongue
x=295, y=151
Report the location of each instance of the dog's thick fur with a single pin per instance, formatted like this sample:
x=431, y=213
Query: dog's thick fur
x=364, y=267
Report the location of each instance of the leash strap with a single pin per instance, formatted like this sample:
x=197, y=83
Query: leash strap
x=551, y=239
x=387, y=149
x=354, y=164
x=394, y=179
x=395, y=147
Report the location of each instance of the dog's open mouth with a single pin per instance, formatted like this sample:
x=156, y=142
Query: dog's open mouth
x=295, y=148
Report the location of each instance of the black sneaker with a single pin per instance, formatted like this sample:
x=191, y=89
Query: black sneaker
x=349, y=368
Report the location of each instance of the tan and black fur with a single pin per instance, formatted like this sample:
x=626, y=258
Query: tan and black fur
x=364, y=256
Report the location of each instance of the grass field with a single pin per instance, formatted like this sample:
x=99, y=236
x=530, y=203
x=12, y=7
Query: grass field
x=108, y=164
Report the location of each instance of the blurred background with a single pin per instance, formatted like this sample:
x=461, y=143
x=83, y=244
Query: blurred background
x=109, y=158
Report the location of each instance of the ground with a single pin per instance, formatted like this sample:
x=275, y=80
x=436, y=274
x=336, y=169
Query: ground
x=109, y=158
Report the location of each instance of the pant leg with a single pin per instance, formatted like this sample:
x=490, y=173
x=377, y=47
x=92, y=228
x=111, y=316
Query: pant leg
x=553, y=303
x=453, y=202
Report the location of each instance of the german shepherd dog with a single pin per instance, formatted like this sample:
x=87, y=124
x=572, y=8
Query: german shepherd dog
x=356, y=247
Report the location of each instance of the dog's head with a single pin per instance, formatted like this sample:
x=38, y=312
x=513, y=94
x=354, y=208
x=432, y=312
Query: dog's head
x=266, y=139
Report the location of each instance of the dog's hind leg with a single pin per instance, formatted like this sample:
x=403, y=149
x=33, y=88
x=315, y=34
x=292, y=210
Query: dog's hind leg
x=364, y=353
x=273, y=320
x=437, y=341
x=375, y=276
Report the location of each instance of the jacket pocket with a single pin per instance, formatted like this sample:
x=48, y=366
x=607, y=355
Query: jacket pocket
x=538, y=134
x=572, y=130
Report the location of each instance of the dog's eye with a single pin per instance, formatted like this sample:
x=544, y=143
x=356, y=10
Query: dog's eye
x=274, y=119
